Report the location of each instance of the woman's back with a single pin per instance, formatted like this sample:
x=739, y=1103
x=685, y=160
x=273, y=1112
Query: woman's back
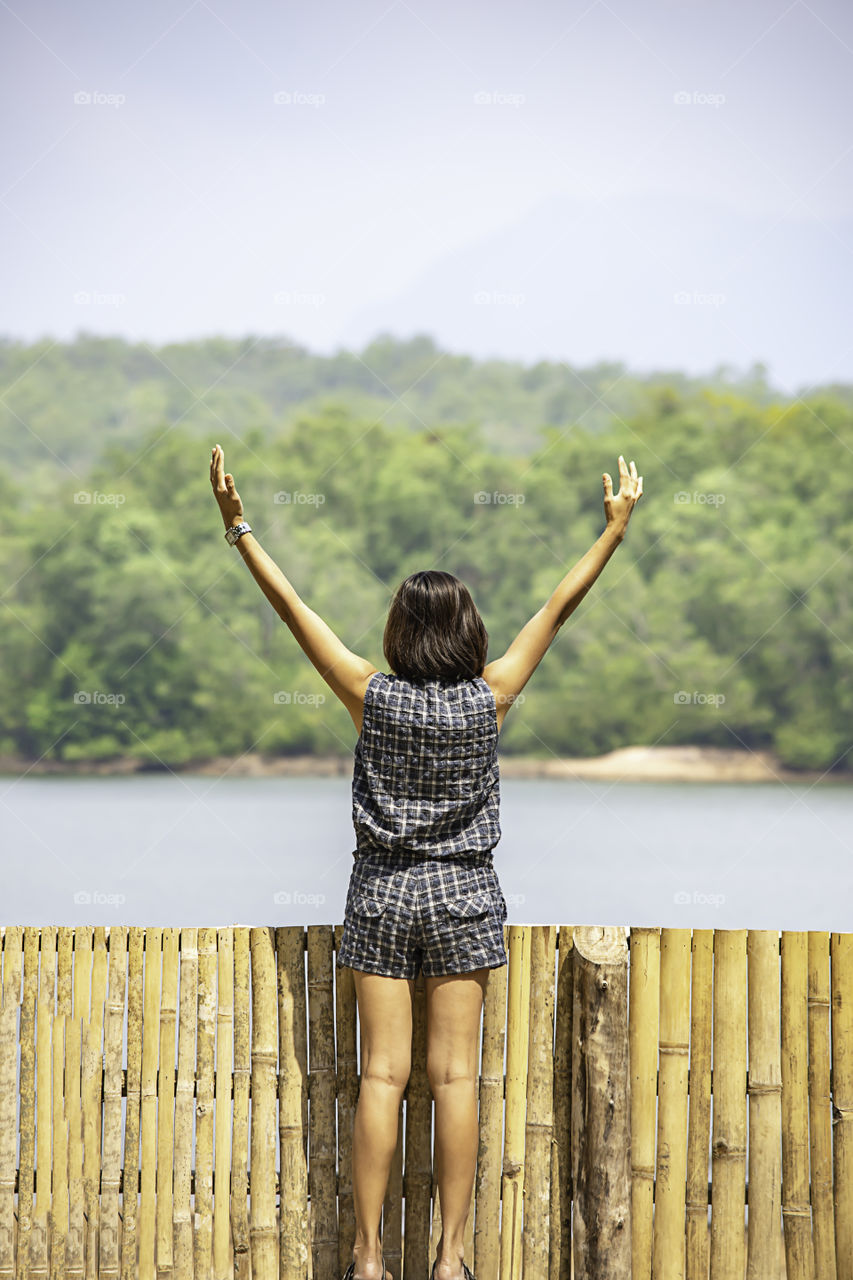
x=425, y=775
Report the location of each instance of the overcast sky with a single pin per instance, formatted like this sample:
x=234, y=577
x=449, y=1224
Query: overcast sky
x=666, y=183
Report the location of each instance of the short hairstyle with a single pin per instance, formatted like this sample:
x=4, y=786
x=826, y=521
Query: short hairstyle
x=434, y=630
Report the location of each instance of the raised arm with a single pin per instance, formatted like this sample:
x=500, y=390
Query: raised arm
x=344, y=671
x=508, y=675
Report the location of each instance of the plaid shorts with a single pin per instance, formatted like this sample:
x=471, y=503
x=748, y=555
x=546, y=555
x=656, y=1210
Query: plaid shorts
x=403, y=913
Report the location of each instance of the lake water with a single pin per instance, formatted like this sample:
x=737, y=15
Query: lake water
x=193, y=850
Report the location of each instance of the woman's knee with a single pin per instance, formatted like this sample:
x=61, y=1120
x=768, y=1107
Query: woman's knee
x=390, y=1072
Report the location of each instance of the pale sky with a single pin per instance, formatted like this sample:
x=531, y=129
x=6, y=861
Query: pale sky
x=663, y=183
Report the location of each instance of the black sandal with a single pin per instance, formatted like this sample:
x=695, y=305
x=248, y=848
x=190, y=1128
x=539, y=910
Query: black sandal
x=467, y=1274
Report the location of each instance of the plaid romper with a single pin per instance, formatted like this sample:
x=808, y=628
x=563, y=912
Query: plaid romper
x=423, y=892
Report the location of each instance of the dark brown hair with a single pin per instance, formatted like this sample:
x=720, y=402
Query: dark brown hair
x=434, y=630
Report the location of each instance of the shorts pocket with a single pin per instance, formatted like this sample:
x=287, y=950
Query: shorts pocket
x=366, y=905
x=472, y=904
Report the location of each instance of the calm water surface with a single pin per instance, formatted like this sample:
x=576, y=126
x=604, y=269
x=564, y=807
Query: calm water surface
x=192, y=850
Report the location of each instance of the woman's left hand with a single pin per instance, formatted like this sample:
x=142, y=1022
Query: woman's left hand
x=223, y=488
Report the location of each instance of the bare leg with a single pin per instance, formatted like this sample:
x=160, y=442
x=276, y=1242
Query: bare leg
x=454, y=1009
x=385, y=1018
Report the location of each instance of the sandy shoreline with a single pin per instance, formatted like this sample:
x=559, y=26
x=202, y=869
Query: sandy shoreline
x=628, y=764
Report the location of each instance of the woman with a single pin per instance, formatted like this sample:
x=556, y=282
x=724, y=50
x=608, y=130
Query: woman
x=423, y=892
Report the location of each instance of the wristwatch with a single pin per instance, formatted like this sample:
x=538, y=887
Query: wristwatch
x=236, y=531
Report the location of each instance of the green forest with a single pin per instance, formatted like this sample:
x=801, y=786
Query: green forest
x=131, y=629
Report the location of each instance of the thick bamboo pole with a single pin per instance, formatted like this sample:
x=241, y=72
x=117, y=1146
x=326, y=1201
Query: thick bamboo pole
x=560, y=1252
x=796, y=1208
x=203, y=1244
x=764, y=1090
x=820, y=1107
x=347, y=1079
x=166, y=1105
x=183, y=1215
x=728, y=1149
x=92, y=1078
x=539, y=1122
x=601, y=1106
x=8, y=1108
x=643, y=1022
x=263, y=1233
x=75, y=1245
x=108, y=1265
x=59, y=1127
x=669, y=1216
x=417, y=1172
x=26, y=1174
x=517, y=1047
x=293, y=1220
x=841, y=982
x=231, y=1145
x=130, y=1181
x=237, y=1197
x=39, y=1264
x=699, y=1088
x=487, y=1188
x=322, y=1096
x=148, y=1100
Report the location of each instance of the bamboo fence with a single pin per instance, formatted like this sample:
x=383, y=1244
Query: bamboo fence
x=660, y=1104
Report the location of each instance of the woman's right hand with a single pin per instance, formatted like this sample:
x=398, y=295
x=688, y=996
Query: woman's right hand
x=618, y=507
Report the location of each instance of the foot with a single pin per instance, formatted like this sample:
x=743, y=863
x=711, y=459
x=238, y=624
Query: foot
x=449, y=1269
x=368, y=1264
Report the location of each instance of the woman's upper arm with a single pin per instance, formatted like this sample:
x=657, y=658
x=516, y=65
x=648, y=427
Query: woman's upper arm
x=508, y=675
x=345, y=672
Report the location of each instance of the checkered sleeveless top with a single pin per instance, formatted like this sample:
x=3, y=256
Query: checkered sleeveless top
x=425, y=775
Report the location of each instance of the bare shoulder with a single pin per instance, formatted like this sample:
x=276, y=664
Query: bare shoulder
x=502, y=701
x=354, y=698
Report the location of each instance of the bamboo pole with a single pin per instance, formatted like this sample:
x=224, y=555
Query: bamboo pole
x=130, y=1180
x=539, y=1123
x=841, y=983
x=669, y=1214
x=517, y=1048
x=796, y=1209
x=59, y=1202
x=206, y=1016
x=417, y=1174
x=293, y=1220
x=26, y=1175
x=182, y=1221
x=108, y=1265
x=699, y=1089
x=222, y=1264
x=75, y=1246
x=487, y=1191
x=39, y=1264
x=728, y=1149
x=347, y=1071
x=820, y=1106
x=764, y=1091
x=643, y=1021
x=262, y=1231
x=560, y=1250
x=8, y=1108
x=166, y=1105
x=322, y=1094
x=233, y=1070
x=90, y=1088
x=148, y=1100
x=601, y=1106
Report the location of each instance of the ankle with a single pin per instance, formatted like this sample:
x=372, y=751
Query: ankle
x=367, y=1256
x=448, y=1263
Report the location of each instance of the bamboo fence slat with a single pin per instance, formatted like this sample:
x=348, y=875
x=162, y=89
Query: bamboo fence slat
x=820, y=1107
x=841, y=988
x=596, y=1128
x=262, y=1232
x=233, y=1072
x=643, y=1022
x=674, y=1044
x=764, y=1092
x=728, y=1084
